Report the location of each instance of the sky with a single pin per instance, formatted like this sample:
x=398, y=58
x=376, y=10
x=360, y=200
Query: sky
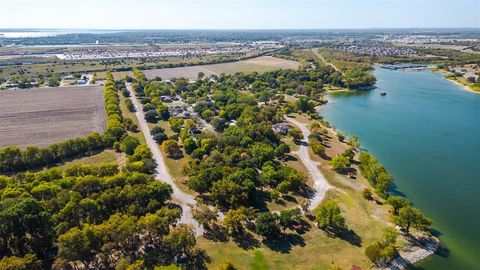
x=238, y=14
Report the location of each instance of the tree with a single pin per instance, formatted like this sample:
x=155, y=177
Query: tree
x=228, y=194
x=317, y=147
x=218, y=123
x=411, y=217
x=26, y=228
x=205, y=215
x=367, y=193
x=227, y=266
x=28, y=262
x=207, y=114
x=349, y=153
x=181, y=240
x=282, y=150
x=340, y=163
x=236, y=219
x=329, y=216
x=171, y=148
x=163, y=112
x=129, y=144
x=305, y=105
x=296, y=134
x=151, y=116
x=383, y=251
x=267, y=225
x=288, y=217
x=397, y=203
x=190, y=145
x=77, y=245
x=129, y=105
x=53, y=81
x=262, y=153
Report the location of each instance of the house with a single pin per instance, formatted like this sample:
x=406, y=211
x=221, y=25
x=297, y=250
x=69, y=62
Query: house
x=166, y=99
x=194, y=130
x=185, y=115
x=281, y=128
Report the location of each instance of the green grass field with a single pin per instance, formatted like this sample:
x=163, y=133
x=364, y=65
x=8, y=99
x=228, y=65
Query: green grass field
x=107, y=156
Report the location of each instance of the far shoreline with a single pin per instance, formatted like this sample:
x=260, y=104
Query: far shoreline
x=463, y=86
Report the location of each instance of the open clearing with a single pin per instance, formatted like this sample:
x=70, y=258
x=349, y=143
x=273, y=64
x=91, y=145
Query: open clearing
x=43, y=116
x=258, y=64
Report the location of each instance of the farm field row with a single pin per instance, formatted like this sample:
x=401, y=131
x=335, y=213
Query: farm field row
x=258, y=64
x=42, y=116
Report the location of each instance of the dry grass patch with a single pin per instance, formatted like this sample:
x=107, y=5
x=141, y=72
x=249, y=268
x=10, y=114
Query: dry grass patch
x=107, y=156
x=258, y=64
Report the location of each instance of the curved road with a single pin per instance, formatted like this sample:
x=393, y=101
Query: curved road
x=161, y=172
x=321, y=184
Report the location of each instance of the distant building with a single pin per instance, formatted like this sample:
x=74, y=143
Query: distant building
x=166, y=99
x=281, y=128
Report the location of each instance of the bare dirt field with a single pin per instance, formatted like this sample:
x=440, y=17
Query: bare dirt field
x=258, y=64
x=43, y=116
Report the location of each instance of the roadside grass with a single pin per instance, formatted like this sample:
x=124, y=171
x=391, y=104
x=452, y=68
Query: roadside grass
x=166, y=126
x=175, y=167
x=107, y=156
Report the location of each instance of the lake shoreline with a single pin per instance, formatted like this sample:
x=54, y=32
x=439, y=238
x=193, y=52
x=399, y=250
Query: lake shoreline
x=463, y=86
x=414, y=254
x=417, y=171
x=417, y=251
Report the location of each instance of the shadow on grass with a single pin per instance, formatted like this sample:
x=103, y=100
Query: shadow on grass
x=216, y=233
x=285, y=242
x=291, y=158
x=246, y=241
x=345, y=234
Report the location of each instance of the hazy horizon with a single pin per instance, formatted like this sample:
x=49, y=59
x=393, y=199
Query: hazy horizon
x=238, y=15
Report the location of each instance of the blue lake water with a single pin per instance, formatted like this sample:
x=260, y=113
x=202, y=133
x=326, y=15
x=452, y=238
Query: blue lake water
x=426, y=132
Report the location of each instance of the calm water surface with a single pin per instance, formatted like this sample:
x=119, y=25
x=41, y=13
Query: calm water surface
x=426, y=132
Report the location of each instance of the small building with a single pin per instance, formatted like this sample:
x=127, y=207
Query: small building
x=281, y=128
x=11, y=85
x=185, y=115
x=166, y=99
x=194, y=130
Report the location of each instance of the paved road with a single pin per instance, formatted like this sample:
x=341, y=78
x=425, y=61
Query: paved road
x=202, y=121
x=321, y=184
x=161, y=172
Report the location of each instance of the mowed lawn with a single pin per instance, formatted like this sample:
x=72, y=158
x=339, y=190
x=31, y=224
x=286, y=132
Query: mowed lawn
x=43, y=116
x=258, y=64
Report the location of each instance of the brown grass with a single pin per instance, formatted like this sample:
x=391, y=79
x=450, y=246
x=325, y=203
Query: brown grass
x=258, y=64
x=43, y=116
